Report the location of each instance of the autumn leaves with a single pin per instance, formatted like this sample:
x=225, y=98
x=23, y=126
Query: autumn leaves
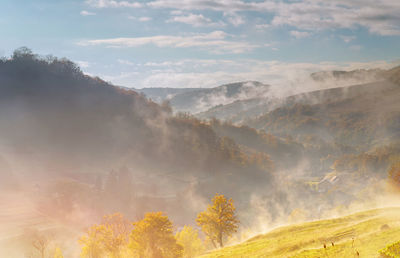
x=219, y=220
x=153, y=236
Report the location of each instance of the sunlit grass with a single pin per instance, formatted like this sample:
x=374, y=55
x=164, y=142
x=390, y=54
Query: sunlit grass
x=359, y=235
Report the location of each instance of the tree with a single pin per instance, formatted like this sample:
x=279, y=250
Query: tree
x=394, y=175
x=153, y=237
x=107, y=239
x=23, y=53
x=93, y=242
x=189, y=239
x=58, y=253
x=40, y=242
x=219, y=220
x=391, y=250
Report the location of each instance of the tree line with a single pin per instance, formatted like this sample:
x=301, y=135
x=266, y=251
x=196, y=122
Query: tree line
x=153, y=236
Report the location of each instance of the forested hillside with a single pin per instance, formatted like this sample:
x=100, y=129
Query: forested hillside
x=88, y=148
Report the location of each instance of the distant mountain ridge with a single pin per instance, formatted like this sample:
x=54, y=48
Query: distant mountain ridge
x=359, y=75
x=160, y=94
x=203, y=99
x=194, y=100
x=242, y=110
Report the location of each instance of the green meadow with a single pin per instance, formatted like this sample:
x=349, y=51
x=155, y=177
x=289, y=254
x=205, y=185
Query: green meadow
x=361, y=234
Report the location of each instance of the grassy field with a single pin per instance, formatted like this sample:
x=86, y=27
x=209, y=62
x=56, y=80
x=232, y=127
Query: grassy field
x=362, y=234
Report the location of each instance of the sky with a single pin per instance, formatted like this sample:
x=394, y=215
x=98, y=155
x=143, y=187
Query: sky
x=205, y=43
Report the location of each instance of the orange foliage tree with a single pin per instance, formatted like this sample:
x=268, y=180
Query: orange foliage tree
x=152, y=237
x=107, y=239
x=394, y=174
x=219, y=220
x=192, y=245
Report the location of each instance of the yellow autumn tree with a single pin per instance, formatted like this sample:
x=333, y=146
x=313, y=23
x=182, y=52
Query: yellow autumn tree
x=219, y=220
x=58, y=253
x=189, y=239
x=93, y=242
x=152, y=237
x=107, y=239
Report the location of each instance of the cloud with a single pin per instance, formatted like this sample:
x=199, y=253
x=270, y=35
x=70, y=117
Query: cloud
x=125, y=62
x=300, y=34
x=145, y=19
x=380, y=17
x=196, y=20
x=215, y=42
x=210, y=73
x=176, y=12
x=86, y=13
x=163, y=64
x=263, y=26
x=83, y=64
x=347, y=39
x=234, y=19
x=113, y=4
x=141, y=19
x=221, y=5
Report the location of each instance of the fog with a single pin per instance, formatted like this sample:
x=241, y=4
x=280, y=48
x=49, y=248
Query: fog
x=74, y=148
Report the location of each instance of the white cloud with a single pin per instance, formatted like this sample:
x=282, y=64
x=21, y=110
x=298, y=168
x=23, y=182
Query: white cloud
x=83, y=64
x=196, y=20
x=210, y=73
x=86, y=13
x=125, y=62
x=215, y=42
x=380, y=17
x=221, y=5
x=113, y=4
x=300, y=34
x=263, y=26
x=163, y=64
x=234, y=19
x=145, y=19
x=347, y=39
x=176, y=12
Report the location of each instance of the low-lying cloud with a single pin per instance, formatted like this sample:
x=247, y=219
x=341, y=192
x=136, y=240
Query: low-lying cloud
x=206, y=73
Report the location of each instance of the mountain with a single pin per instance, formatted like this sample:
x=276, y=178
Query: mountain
x=160, y=94
x=328, y=145
x=194, y=100
x=202, y=99
x=71, y=136
x=339, y=114
x=241, y=110
x=356, y=76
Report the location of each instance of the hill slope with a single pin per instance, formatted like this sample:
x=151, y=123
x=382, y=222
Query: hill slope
x=331, y=85
x=364, y=232
x=56, y=123
x=160, y=94
x=202, y=99
x=339, y=114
